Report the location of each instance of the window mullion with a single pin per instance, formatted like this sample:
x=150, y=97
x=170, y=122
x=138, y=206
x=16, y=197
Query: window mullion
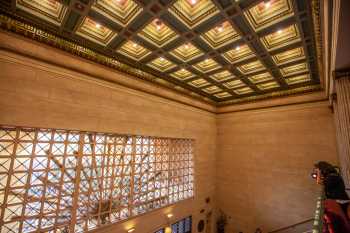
x=132, y=176
x=79, y=156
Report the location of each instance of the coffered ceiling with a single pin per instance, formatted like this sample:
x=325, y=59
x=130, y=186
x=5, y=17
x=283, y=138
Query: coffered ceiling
x=226, y=51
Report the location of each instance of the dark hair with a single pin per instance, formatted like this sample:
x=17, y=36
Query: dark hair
x=326, y=168
x=333, y=182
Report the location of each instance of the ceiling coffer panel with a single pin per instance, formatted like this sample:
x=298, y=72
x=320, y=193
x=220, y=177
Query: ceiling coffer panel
x=193, y=12
x=197, y=47
x=121, y=11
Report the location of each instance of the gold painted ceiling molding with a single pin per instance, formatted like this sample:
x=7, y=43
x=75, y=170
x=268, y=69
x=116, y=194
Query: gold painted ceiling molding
x=207, y=65
x=121, y=12
x=193, y=14
x=316, y=8
x=158, y=33
x=161, y=64
x=221, y=35
x=53, y=11
x=299, y=90
x=289, y=56
x=19, y=27
x=133, y=50
x=27, y=30
x=95, y=32
x=238, y=54
x=281, y=38
x=186, y=52
x=265, y=14
x=234, y=84
x=182, y=74
x=222, y=76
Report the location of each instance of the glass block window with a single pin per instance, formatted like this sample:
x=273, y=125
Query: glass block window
x=71, y=181
x=182, y=226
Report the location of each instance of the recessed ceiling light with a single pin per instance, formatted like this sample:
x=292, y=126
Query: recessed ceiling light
x=98, y=25
x=238, y=48
x=220, y=28
x=131, y=230
x=267, y=4
x=186, y=46
x=162, y=58
x=193, y=2
x=169, y=215
x=279, y=31
x=158, y=24
x=182, y=69
x=134, y=45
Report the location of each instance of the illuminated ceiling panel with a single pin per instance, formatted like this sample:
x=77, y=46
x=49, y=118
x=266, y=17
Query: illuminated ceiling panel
x=281, y=38
x=240, y=53
x=289, y=56
x=222, y=76
x=243, y=91
x=223, y=95
x=258, y=78
x=207, y=65
x=234, y=84
x=192, y=13
x=161, y=64
x=221, y=35
x=269, y=85
x=229, y=44
x=294, y=69
x=158, y=33
x=133, y=50
x=212, y=89
x=119, y=11
x=199, y=82
x=267, y=13
x=50, y=10
x=186, y=52
x=95, y=32
x=251, y=67
x=298, y=79
x=182, y=74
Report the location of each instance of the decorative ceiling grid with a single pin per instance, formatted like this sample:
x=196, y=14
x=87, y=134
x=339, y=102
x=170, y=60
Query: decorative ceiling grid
x=222, y=76
x=226, y=51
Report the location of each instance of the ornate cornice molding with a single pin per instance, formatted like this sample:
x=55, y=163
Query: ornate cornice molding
x=18, y=26
x=295, y=91
x=316, y=12
x=14, y=25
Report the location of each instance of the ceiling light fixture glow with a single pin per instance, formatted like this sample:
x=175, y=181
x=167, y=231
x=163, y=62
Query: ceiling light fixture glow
x=131, y=230
x=98, y=25
x=158, y=24
x=220, y=28
x=238, y=48
x=267, y=4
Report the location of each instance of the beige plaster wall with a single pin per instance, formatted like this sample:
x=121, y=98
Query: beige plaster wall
x=264, y=161
x=254, y=165
x=34, y=93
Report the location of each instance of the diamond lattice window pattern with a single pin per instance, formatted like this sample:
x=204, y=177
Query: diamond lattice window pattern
x=71, y=181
